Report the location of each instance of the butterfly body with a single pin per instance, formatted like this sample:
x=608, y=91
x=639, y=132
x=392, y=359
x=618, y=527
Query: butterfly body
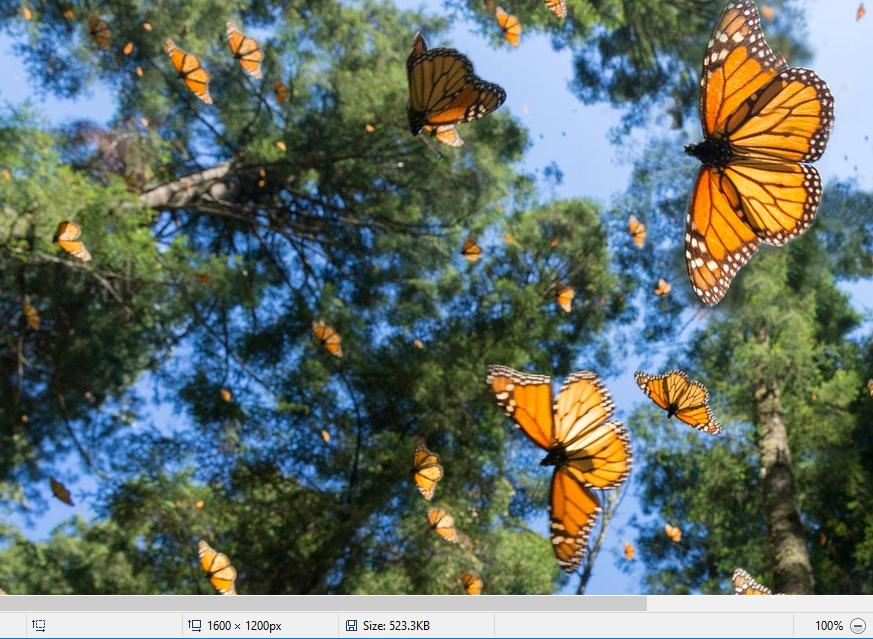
x=762, y=122
x=588, y=450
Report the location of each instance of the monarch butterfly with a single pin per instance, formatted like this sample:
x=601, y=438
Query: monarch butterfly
x=281, y=91
x=245, y=50
x=681, y=396
x=217, y=566
x=443, y=524
x=510, y=25
x=100, y=31
x=426, y=469
x=444, y=90
x=762, y=122
x=67, y=237
x=674, y=533
x=564, y=295
x=31, y=315
x=445, y=133
x=664, y=287
x=329, y=337
x=637, y=231
x=60, y=491
x=629, y=550
x=870, y=386
x=860, y=13
x=745, y=585
x=471, y=250
x=189, y=70
x=586, y=450
x=226, y=395
x=472, y=584
x=558, y=7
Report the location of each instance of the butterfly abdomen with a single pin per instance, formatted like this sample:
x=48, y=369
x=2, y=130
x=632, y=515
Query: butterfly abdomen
x=712, y=152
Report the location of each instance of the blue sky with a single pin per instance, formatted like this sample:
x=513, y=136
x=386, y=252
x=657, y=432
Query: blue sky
x=575, y=137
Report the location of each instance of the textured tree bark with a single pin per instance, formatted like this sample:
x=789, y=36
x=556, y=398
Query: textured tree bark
x=792, y=571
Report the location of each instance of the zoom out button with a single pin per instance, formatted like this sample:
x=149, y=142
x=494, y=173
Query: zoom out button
x=857, y=626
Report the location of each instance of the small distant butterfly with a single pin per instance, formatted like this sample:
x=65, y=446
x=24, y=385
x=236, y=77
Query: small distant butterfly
x=443, y=524
x=471, y=250
x=870, y=386
x=628, y=550
x=637, y=231
x=191, y=73
x=226, y=395
x=681, y=396
x=100, y=31
x=745, y=585
x=426, y=469
x=861, y=11
x=217, y=566
x=472, y=584
x=245, y=50
x=510, y=25
x=60, y=491
x=664, y=287
x=31, y=316
x=564, y=295
x=281, y=91
x=674, y=533
x=67, y=237
x=329, y=337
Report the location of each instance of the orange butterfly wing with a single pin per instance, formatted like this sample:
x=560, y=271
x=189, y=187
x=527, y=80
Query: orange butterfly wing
x=426, y=469
x=67, y=237
x=587, y=450
x=564, y=295
x=664, y=287
x=558, y=7
x=637, y=230
x=745, y=585
x=472, y=584
x=443, y=524
x=100, y=31
x=761, y=120
x=217, y=566
x=510, y=25
x=443, y=89
x=681, y=396
x=245, y=50
x=445, y=133
x=674, y=533
x=471, y=250
x=328, y=337
x=192, y=74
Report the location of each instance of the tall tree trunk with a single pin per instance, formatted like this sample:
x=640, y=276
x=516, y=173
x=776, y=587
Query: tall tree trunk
x=792, y=571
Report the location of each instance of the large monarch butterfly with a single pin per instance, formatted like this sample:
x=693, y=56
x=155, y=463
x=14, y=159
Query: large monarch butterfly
x=189, y=70
x=586, y=450
x=472, y=584
x=245, y=50
x=60, y=491
x=67, y=237
x=100, y=31
x=444, y=90
x=681, y=396
x=510, y=25
x=217, y=566
x=426, y=469
x=471, y=250
x=329, y=337
x=443, y=523
x=558, y=7
x=673, y=532
x=564, y=295
x=637, y=231
x=762, y=122
x=745, y=585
